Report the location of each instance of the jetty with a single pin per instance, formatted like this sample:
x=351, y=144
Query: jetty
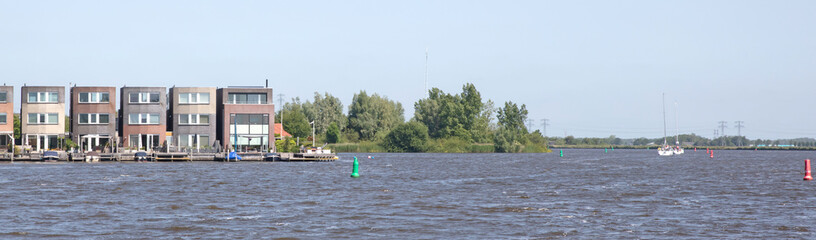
x=170, y=157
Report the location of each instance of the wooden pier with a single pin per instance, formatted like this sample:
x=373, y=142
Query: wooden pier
x=174, y=157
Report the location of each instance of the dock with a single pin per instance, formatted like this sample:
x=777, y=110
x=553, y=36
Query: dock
x=175, y=157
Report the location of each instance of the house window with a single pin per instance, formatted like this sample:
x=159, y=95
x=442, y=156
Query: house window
x=94, y=118
x=143, y=118
x=194, y=119
x=43, y=118
x=194, y=98
x=3, y=97
x=144, y=97
x=3, y=117
x=94, y=97
x=193, y=140
x=247, y=98
x=43, y=97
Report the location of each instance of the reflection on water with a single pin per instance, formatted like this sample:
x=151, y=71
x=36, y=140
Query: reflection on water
x=587, y=194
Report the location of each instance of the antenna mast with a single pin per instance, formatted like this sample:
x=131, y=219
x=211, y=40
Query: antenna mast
x=426, y=71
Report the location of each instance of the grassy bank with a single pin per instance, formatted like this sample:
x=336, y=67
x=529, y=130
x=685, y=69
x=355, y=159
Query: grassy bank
x=435, y=146
x=687, y=147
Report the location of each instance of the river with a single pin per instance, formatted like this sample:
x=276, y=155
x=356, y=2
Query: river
x=586, y=194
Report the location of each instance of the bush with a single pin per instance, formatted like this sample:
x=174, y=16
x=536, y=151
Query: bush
x=407, y=137
x=333, y=133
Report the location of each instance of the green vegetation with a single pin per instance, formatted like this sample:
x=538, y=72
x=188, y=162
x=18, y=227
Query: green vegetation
x=407, y=137
x=442, y=122
x=371, y=117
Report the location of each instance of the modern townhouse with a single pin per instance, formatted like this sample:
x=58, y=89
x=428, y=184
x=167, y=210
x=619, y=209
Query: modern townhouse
x=93, y=118
x=193, y=117
x=143, y=114
x=42, y=116
x=246, y=117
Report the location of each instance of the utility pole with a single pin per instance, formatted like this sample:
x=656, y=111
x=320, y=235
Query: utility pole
x=723, y=126
x=529, y=124
x=280, y=102
x=739, y=126
x=426, y=71
x=544, y=124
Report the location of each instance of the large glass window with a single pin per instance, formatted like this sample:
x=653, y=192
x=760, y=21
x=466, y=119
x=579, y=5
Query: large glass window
x=202, y=119
x=250, y=129
x=43, y=118
x=194, y=98
x=144, y=97
x=94, y=97
x=43, y=97
x=143, y=118
x=247, y=98
x=3, y=96
x=94, y=118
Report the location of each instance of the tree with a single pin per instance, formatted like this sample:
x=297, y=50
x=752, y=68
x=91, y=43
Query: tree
x=17, y=126
x=407, y=137
x=325, y=110
x=461, y=115
x=373, y=116
x=333, y=133
x=295, y=122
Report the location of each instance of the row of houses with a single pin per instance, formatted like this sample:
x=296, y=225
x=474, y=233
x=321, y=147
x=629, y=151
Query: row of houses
x=147, y=118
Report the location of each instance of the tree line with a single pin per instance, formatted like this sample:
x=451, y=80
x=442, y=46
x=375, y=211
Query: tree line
x=442, y=122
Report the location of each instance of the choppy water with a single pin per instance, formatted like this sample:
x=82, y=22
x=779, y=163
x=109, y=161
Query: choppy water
x=587, y=194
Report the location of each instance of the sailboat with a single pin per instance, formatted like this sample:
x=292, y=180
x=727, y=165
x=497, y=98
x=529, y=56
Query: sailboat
x=665, y=149
x=677, y=149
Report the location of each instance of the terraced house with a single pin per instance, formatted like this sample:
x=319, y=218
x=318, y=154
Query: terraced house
x=42, y=116
x=6, y=116
x=245, y=115
x=143, y=124
x=93, y=118
x=193, y=119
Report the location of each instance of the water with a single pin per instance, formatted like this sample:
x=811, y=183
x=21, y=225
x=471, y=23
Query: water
x=586, y=194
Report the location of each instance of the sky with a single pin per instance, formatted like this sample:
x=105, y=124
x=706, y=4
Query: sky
x=593, y=68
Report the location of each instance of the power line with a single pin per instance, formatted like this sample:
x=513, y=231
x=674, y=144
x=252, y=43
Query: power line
x=723, y=126
x=739, y=126
x=280, y=102
x=544, y=124
x=529, y=124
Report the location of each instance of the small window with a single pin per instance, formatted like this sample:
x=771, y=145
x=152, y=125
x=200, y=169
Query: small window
x=104, y=118
x=53, y=118
x=3, y=96
x=204, y=140
x=134, y=97
x=53, y=97
x=32, y=97
x=154, y=118
x=83, y=118
x=104, y=97
x=204, y=119
x=3, y=118
x=184, y=119
x=204, y=98
x=154, y=97
x=32, y=118
x=84, y=97
x=184, y=98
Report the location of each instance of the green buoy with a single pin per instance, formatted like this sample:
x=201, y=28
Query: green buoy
x=606, y=150
x=354, y=173
x=562, y=153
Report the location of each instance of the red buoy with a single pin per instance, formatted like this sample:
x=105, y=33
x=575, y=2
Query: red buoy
x=695, y=149
x=807, y=170
x=712, y=154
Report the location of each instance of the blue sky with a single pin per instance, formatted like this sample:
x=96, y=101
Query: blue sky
x=594, y=68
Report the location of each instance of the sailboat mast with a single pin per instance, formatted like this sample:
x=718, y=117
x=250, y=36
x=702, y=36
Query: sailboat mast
x=664, y=119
